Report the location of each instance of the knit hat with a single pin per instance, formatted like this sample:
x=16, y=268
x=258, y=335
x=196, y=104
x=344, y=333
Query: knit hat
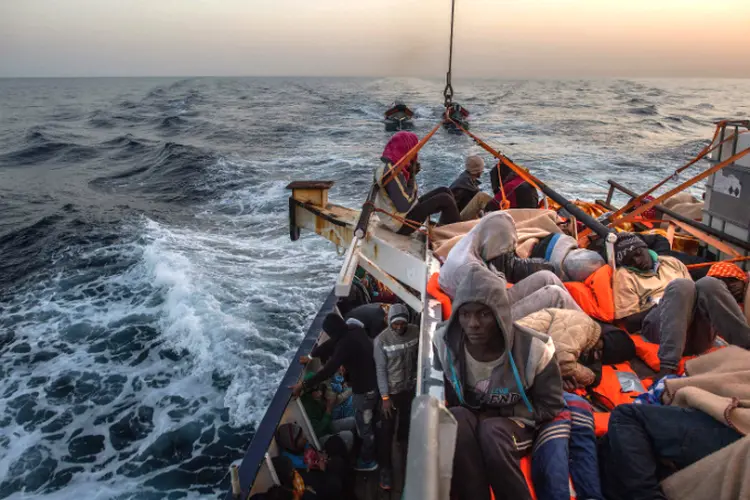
x=287, y=436
x=334, y=325
x=626, y=244
x=475, y=165
x=398, y=312
x=727, y=270
x=618, y=346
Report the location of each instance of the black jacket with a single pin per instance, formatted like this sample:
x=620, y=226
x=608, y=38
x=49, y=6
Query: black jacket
x=373, y=316
x=353, y=351
x=515, y=268
x=464, y=188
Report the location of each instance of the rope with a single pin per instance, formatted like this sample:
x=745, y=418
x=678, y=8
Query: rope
x=638, y=211
x=504, y=204
x=707, y=264
x=520, y=171
x=417, y=226
x=408, y=157
x=448, y=92
x=702, y=154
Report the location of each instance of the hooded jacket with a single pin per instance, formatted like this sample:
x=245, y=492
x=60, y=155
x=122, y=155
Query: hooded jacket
x=573, y=333
x=464, y=188
x=400, y=195
x=526, y=384
x=396, y=356
x=492, y=241
x=353, y=350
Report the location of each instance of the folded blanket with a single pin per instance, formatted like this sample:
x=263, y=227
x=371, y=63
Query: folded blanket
x=720, y=476
x=717, y=384
x=531, y=225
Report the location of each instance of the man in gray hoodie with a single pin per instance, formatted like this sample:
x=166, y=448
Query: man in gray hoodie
x=396, y=351
x=502, y=381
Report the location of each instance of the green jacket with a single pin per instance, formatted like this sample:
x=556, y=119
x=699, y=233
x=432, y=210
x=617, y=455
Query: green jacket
x=316, y=412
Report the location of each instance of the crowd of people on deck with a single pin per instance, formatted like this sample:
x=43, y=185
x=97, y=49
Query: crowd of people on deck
x=543, y=353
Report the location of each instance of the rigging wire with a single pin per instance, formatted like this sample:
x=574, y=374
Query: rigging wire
x=448, y=92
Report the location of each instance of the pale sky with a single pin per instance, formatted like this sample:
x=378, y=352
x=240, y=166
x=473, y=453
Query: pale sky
x=494, y=38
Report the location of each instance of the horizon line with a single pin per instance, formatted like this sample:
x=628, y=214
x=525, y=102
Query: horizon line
x=585, y=77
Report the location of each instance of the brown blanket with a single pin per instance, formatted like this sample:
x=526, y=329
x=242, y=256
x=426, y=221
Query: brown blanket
x=718, y=384
x=724, y=475
x=531, y=226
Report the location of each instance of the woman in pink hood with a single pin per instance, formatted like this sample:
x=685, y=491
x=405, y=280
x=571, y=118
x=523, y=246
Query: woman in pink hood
x=399, y=196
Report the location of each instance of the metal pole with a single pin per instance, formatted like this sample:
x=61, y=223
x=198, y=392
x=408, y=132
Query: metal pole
x=448, y=92
x=690, y=222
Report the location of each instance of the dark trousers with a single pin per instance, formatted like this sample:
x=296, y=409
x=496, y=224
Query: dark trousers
x=646, y=443
x=364, y=416
x=438, y=201
x=488, y=453
x=689, y=316
x=402, y=405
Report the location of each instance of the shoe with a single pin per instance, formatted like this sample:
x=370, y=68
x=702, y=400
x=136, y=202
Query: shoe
x=362, y=466
x=385, y=479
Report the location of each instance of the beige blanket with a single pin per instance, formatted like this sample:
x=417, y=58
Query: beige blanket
x=724, y=475
x=718, y=384
x=684, y=204
x=531, y=226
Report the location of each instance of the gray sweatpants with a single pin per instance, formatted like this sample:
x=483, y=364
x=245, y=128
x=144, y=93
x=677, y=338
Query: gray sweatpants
x=539, y=291
x=690, y=315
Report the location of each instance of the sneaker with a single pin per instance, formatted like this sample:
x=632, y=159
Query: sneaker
x=362, y=466
x=385, y=478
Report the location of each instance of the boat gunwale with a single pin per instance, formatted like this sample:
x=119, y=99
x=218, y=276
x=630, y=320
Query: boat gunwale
x=256, y=451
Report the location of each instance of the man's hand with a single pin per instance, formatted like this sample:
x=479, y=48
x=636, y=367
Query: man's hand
x=296, y=389
x=569, y=385
x=387, y=408
x=305, y=359
x=663, y=373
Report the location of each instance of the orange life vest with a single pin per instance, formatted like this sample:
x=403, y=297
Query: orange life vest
x=613, y=391
x=595, y=294
x=433, y=288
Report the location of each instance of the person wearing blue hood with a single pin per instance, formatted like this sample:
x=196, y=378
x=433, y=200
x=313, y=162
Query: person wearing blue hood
x=502, y=382
x=352, y=350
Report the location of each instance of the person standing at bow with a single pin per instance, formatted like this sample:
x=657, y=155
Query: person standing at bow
x=396, y=351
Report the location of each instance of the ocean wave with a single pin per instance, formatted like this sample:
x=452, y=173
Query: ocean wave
x=145, y=291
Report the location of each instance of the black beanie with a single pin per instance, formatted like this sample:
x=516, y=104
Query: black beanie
x=626, y=244
x=334, y=325
x=618, y=346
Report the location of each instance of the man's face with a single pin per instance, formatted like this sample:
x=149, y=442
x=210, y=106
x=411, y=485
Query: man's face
x=399, y=327
x=640, y=259
x=478, y=323
x=736, y=288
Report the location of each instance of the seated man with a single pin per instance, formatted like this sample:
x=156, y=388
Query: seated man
x=655, y=294
x=702, y=413
x=502, y=382
x=399, y=195
x=582, y=345
x=470, y=199
x=518, y=192
x=320, y=412
x=641, y=438
x=352, y=349
x=396, y=353
x=491, y=244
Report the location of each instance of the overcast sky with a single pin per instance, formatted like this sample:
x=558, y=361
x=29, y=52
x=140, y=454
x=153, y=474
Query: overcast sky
x=494, y=38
